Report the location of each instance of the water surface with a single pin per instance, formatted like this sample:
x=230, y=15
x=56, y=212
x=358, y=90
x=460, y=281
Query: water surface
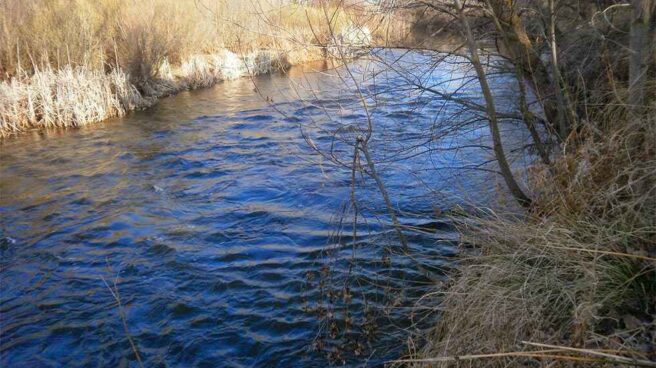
x=211, y=210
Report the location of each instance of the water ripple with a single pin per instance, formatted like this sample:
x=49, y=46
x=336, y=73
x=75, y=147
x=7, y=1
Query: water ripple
x=208, y=211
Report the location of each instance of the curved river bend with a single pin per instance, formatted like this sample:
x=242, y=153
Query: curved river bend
x=209, y=211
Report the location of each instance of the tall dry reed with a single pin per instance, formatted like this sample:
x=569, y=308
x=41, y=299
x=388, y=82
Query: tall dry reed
x=72, y=96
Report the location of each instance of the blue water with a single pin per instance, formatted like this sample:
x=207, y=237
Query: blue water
x=227, y=235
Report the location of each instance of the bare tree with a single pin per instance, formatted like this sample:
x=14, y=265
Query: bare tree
x=529, y=118
x=566, y=117
x=504, y=166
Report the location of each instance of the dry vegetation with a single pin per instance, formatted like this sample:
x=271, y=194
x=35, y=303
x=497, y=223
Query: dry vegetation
x=73, y=62
x=579, y=272
x=571, y=282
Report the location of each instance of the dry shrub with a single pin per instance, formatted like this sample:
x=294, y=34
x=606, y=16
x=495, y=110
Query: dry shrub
x=42, y=33
x=147, y=37
x=579, y=271
x=55, y=33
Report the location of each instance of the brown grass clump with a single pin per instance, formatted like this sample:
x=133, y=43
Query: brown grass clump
x=580, y=271
x=66, y=97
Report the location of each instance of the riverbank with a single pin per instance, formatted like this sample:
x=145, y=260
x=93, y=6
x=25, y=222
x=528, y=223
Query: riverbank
x=571, y=281
x=67, y=65
x=76, y=96
x=577, y=272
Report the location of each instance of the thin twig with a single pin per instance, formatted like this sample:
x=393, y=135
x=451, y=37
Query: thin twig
x=613, y=358
x=121, y=313
x=527, y=354
x=383, y=192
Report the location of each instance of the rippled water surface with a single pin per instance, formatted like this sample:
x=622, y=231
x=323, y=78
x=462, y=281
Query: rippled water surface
x=209, y=211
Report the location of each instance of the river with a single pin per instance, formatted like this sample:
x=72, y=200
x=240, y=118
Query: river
x=222, y=228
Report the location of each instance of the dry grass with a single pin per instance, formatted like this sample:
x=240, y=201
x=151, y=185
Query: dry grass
x=66, y=97
x=75, y=96
x=136, y=35
x=139, y=35
x=573, y=281
x=72, y=62
x=578, y=272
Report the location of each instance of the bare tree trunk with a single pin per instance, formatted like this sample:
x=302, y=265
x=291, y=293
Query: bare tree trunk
x=527, y=115
x=532, y=67
x=504, y=166
x=642, y=46
x=566, y=117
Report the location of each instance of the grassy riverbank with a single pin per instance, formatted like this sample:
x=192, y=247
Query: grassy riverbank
x=579, y=271
x=70, y=63
x=571, y=281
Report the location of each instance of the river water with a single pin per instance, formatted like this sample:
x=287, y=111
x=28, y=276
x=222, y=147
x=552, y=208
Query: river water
x=222, y=228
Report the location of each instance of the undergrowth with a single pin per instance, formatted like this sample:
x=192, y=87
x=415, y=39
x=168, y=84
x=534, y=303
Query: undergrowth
x=578, y=271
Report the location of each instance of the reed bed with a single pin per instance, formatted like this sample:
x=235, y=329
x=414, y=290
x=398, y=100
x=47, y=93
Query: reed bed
x=76, y=96
x=72, y=96
x=67, y=63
